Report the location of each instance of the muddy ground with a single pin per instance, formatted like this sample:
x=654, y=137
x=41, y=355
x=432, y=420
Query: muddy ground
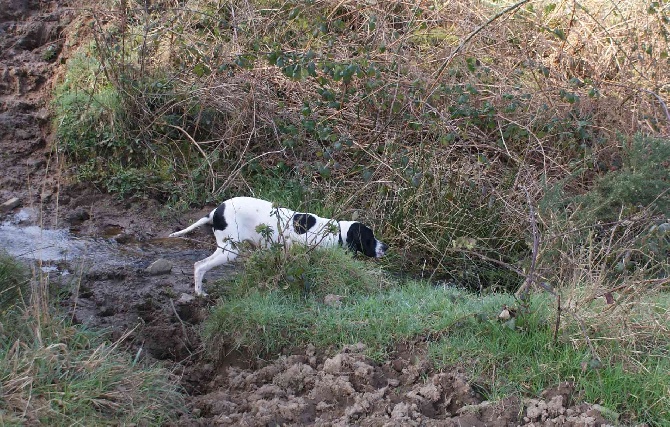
x=155, y=308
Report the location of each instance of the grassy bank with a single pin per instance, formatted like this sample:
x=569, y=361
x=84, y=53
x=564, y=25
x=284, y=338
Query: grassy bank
x=268, y=314
x=55, y=373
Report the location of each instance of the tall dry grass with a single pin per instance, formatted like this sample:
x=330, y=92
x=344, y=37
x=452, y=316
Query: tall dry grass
x=442, y=123
x=55, y=373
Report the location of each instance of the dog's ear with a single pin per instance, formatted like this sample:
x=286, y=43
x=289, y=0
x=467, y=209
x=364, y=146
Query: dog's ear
x=303, y=222
x=361, y=239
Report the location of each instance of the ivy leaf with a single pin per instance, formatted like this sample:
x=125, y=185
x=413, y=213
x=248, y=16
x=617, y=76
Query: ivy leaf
x=559, y=33
x=311, y=69
x=201, y=70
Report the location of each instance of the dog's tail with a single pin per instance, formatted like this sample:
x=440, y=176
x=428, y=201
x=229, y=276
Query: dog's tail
x=202, y=221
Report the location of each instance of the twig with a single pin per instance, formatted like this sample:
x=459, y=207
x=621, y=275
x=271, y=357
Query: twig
x=211, y=169
x=435, y=85
x=660, y=101
x=493, y=261
x=470, y=37
x=658, y=97
x=522, y=293
x=582, y=327
x=558, y=317
x=123, y=24
x=183, y=326
x=239, y=169
x=143, y=52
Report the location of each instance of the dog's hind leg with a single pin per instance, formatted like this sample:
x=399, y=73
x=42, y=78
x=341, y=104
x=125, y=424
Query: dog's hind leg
x=219, y=257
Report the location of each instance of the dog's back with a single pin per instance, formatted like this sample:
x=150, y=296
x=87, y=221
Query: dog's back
x=258, y=221
x=262, y=223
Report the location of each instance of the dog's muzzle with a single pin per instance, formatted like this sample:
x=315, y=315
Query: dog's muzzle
x=381, y=249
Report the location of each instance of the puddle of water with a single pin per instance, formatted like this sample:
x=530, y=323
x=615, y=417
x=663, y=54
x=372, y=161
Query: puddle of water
x=24, y=240
x=34, y=242
x=52, y=246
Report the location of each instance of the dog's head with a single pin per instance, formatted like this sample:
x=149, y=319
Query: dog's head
x=360, y=238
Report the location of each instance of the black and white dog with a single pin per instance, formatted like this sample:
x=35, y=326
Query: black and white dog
x=259, y=222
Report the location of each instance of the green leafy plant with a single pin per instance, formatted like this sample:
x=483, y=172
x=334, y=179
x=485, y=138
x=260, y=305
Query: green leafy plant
x=641, y=181
x=304, y=272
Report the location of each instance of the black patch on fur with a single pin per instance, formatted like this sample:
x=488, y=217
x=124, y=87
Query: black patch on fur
x=219, y=221
x=303, y=222
x=361, y=239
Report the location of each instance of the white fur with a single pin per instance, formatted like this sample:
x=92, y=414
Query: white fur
x=244, y=215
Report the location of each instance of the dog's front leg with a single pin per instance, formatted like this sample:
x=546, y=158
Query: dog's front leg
x=219, y=257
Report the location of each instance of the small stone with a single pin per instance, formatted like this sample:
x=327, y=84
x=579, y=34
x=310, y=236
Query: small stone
x=322, y=406
x=333, y=365
x=333, y=300
x=185, y=299
x=588, y=421
x=10, y=204
x=158, y=267
x=106, y=311
x=606, y=412
x=78, y=215
x=474, y=409
x=124, y=238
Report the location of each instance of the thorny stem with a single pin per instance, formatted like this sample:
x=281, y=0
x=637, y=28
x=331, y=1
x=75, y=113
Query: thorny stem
x=522, y=293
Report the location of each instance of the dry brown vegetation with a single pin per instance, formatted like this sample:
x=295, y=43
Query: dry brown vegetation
x=442, y=123
x=493, y=144
x=434, y=119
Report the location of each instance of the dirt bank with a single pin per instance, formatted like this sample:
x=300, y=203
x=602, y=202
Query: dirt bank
x=153, y=309
x=349, y=389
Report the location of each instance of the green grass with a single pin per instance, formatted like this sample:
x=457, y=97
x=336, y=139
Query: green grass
x=526, y=362
x=267, y=322
x=306, y=273
x=513, y=361
x=13, y=282
x=55, y=373
x=461, y=328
